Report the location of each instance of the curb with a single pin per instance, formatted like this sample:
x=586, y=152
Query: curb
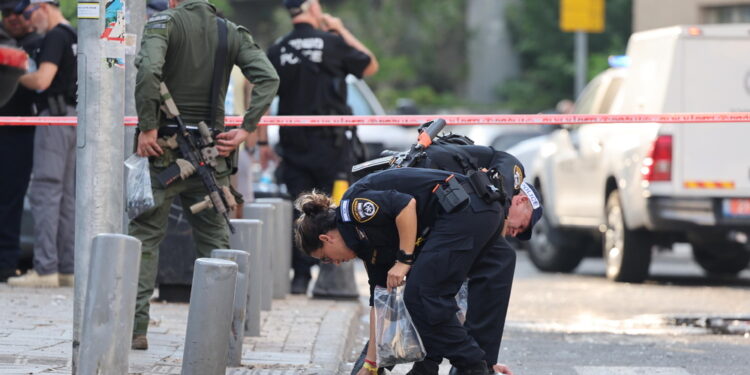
x=340, y=322
x=354, y=330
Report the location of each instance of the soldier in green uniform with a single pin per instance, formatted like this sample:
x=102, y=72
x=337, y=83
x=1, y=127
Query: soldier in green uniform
x=178, y=48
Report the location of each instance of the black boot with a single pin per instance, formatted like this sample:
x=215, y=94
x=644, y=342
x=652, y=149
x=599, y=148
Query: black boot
x=479, y=368
x=299, y=284
x=5, y=273
x=426, y=367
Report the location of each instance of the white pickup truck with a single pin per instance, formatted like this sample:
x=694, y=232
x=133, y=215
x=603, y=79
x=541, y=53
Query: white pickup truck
x=621, y=189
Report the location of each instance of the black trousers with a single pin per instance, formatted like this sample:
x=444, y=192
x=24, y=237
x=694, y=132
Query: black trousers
x=300, y=179
x=462, y=245
x=490, y=282
x=17, y=154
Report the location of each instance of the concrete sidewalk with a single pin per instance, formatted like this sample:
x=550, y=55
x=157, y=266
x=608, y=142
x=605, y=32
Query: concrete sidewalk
x=299, y=336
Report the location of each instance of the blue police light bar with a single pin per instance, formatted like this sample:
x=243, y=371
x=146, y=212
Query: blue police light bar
x=619, y=61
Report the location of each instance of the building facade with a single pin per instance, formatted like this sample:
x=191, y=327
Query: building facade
x=652, y=14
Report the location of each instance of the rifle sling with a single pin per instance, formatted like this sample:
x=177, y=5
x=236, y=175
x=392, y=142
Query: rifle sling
x=220, y=61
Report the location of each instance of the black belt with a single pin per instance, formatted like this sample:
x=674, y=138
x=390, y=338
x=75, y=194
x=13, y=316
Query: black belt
x=172, y=129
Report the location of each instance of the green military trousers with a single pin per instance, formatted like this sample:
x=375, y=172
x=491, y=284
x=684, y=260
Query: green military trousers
x=210, y=232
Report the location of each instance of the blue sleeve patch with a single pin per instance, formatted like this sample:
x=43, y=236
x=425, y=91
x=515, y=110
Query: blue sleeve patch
x=345, y=211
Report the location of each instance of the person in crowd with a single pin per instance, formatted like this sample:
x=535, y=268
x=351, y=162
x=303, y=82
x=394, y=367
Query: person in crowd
x=16, y=146
x=173, y=51
x=52, y=189
x=313, y=61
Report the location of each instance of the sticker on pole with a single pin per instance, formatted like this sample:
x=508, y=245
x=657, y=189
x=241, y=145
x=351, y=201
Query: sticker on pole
x=88, y=11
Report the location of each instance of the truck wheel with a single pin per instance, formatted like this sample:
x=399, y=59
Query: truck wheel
x=552, y=249
x=627, y=253
x=721, y=258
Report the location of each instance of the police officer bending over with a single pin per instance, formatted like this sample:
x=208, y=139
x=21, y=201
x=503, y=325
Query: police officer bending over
x=456, y=154
x=436, y=227
x=178, y=48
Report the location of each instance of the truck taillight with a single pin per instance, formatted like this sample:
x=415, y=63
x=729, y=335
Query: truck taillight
x=657, y=165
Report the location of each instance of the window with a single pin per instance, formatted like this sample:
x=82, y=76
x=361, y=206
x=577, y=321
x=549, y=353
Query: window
x=357, y=101
x=609, y=97
x=727, y=14
x=585, y=103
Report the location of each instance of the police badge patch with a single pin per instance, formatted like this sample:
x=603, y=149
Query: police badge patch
x=364, y=209
x=517, y=177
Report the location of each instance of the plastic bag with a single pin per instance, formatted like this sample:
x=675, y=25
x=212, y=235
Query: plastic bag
x=462, y=299
x=397, y=339
x=140, y=196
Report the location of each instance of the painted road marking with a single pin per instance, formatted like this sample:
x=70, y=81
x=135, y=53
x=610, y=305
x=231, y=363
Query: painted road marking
x=607, y=370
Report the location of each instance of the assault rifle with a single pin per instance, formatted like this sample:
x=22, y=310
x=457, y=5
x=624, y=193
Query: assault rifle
x=199, y=155
x=427, y=132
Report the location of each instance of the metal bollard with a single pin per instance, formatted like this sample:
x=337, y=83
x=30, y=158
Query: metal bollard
x=247, y=237
x=282, y=251
x=237, y=333
x=209, y=317
x=107, y=324
x=265, y=213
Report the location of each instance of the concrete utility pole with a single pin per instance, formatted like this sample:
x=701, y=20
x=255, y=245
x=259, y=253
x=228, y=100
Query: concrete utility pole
x=99, y=182
x=581, y=61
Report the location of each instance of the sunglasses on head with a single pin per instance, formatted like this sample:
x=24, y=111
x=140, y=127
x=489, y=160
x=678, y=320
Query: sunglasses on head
x=27, y=13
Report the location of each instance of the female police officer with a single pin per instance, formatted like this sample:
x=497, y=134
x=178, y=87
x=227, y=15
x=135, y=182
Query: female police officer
x=379, y=220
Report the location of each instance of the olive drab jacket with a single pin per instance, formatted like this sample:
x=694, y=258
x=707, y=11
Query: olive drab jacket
x=178, y=48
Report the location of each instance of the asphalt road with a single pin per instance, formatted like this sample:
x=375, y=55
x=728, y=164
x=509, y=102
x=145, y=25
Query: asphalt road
x=582, y=324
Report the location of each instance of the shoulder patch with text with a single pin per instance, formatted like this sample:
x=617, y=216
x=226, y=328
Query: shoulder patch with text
x=156, y=26
x=159, y=17
x=363, y=209
x=517, y=177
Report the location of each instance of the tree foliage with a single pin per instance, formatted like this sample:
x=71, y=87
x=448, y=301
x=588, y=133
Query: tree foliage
x=546, y=53
x=420, y=45
x=69, y=8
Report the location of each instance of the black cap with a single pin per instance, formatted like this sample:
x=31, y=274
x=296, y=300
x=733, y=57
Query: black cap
x=25, y=3
x=155, y=6
x=536, y=206
x=294, y=3
x=8, y=4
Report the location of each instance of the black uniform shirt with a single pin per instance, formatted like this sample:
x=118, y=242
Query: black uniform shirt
x=59, y=47
x=22, y=102
x=366, y=217
x=302, y=90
